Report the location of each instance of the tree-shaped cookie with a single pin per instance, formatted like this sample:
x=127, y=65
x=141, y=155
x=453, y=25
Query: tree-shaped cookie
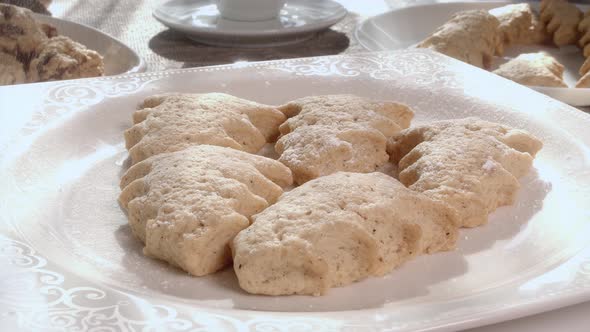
x=470, y=164
x=186, y=206
x=326, y=134
x=172, y=122
x=338, y=229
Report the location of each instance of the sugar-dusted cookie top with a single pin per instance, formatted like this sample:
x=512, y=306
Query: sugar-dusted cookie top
x=326, y=134
x=470, y=164
x=172, y=122
x=11, y=70
x=470, y=36
x=187, y=205
x=338, y=229
x=534, y=69
x=562, y=19
x=61, y=58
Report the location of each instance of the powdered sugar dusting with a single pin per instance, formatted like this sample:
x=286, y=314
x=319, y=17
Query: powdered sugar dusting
x=489, y=166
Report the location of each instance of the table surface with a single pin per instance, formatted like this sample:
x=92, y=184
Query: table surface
x=131, y=22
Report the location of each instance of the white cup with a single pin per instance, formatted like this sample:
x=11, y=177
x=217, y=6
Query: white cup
x=250, y=10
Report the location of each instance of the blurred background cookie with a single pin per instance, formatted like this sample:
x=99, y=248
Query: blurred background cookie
x=36, y=6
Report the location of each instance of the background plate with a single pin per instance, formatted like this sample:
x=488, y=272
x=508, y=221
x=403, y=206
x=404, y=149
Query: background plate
x=405, y=27
x=69, y=258
x=118, y=57
x=200, y=21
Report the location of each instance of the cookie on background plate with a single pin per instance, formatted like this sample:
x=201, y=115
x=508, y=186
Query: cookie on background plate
x=519, y=24
x=20, y=35
x=533, y=69
x=60, y=58
x=562, y=19
x=36, y=6
x=584, y=81
x=584, y=29
x=11, y=70
x=470, y=36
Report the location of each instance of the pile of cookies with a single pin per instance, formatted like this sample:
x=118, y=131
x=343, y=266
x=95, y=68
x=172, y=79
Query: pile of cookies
x=476, y=36
x=327, y=211
x=33, y=52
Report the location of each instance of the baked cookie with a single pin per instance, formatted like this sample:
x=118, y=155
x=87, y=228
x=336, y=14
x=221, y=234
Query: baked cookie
x=11, y=70
x=36, y=6
x=470, y=164
x=338, y=229
x=562, y=19
x=19, y=33
x=49, y=30
x=519, y=24
x=326, y=134
x=172, y=122
x=584, y=81
x=585, y=67
x=584, y=29
x=186, y=206
x=470, y=36
x=61, y=58
x=535, y=69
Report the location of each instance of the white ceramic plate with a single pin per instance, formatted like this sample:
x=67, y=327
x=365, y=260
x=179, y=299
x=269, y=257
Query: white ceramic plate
x=200, y=20
x=118, y=57
x=68, y=257
x=405, y=27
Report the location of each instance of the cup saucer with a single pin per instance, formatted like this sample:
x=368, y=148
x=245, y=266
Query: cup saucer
x=200, y=21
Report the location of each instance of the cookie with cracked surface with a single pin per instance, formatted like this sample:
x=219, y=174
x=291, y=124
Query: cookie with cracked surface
x=470, y=36
x=61, y=58
x=186, y=206
x=562, y=19
x=519, y=24
x=338, y=229
x=172, y=122
x=19, y=33
x=11, y=70
x=330, y=133
x=470, y=164
x=535, y=69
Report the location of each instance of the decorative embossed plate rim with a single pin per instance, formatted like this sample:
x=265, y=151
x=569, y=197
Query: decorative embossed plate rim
x=40, y=293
